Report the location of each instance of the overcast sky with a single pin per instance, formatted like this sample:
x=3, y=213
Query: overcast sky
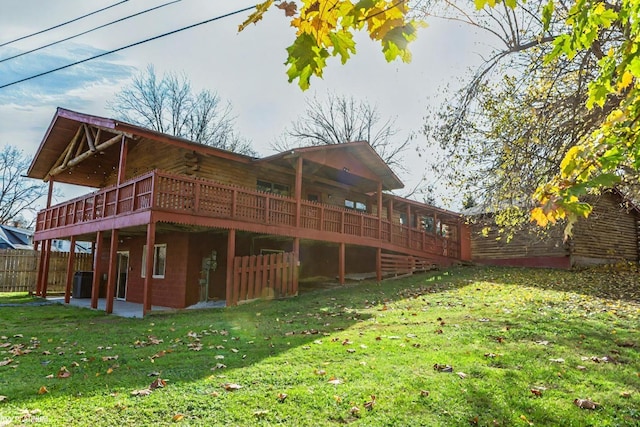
x=244, y=68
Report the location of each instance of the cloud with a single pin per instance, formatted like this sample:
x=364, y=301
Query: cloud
x=67, y=84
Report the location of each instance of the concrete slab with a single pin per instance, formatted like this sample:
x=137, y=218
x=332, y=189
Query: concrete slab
x=130, y=309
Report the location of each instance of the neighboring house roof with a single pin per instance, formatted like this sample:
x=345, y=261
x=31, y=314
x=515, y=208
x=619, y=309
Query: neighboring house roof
x=15, y=238
x=66, y=124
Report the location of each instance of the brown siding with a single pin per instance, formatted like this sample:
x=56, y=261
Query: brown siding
x=169, y=291
x=608, y=235
x=524, y=244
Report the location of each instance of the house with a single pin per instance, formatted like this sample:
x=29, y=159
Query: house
x=15, y=237
x=175, y=222
x=608, y=235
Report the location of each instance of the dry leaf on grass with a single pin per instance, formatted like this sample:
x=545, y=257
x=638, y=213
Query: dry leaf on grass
x=231, y=386
x=158, y=383
x=5, y=362
x=585, y=404
x=424, y=393
x=141, y=392
x=369, y=405
x=282, y=397
x=43, y=390
x=442, y=368
x=64, y=373
x=334, y=381
x=177, y=417
x=3, y=398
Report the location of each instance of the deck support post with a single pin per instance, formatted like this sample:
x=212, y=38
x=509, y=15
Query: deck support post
x=95, y=284
x=39, y=245
x=379, y=265
x=111, y=278
x=45, y=269
x=296, y=266
x=390, y=218
x=148, y=277
x=379, y=210
x=50, y=193
x=341, y=268
x=122, y=164
x=70, y=263
x=231, y=253
x=298, y=189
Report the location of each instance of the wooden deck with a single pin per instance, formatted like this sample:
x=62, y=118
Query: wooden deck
x=164, y=197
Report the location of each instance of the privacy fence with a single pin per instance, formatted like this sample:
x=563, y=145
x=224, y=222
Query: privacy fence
x=19, y=270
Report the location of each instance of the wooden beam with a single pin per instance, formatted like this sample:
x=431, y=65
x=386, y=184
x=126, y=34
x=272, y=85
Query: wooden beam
x=45, y=271
x=88, y=133
x=298, y=189
x=49, y=194
x=379, y=265
x=148, y=279
x=379, y=208
x=231, y=253
x=70, y=262
x=122, y=164
x=111, y=278
x=72, y=146
x=95, y=284
x=296, y=265
x=79, y=159
x=341, y=265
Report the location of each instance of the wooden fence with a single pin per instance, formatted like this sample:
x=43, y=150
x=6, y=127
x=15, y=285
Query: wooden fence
x=264, y=276
x=404, y=264
x=19, y=270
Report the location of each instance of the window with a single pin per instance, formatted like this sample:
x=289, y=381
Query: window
x=403, y=218
x=313, y=198
x=159, y=261
x=272, y=187
x=359, y=206
x=427, y=223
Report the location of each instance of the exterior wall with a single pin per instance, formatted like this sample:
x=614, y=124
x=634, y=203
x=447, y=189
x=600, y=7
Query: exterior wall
x=200, y=246
x=609, y=234
x=169, y=291
x=526, y=248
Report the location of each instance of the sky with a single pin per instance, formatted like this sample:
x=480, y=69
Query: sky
x=247, y=69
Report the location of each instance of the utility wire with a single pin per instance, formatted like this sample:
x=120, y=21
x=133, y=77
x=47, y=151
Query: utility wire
x=88, y=31
x=64, y=23
x=128, y=46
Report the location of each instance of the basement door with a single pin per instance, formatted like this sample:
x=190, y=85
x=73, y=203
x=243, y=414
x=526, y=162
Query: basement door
x=122, y=273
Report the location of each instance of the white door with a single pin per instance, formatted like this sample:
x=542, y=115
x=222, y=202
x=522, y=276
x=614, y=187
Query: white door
x=121, y=275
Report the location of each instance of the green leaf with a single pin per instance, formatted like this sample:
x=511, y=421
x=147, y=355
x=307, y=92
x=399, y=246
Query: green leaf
x=305, y=59
x=547, y=13
x=343, y=45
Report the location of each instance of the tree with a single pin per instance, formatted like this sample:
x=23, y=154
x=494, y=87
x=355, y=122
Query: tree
x=573, y=28
x=339, y=119
x=18, y=195
x=169, y=105
x=325, y=28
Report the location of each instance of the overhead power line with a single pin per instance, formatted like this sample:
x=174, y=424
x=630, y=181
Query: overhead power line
x=88, y=31
x=63, y=24
x=128, y=46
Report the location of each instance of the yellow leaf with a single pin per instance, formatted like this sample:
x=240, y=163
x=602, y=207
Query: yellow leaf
x=625, y=81
x=43, y=390
x=539, y=217
x=178, y=417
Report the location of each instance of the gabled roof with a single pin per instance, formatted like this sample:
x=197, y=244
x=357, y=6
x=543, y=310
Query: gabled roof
x=65, y=125
x=355, y=158
x=15, y=238
x=352, y=163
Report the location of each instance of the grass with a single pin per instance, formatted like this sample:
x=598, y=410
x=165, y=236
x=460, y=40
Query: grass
x=17, y=298
x=499, y=330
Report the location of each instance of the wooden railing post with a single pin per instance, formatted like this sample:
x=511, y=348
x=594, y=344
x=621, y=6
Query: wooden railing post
x=267, y=202
x=196, y=196
x=234, y=202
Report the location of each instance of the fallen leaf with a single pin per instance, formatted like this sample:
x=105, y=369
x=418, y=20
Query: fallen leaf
x=64, y=373
x=523, y=418
x=442, y=368
x=5, y=362
x=231, y=386
x=158, y=383
x=153, y=374
x=585, y=404
x=424, y=393
x=536, y=392
x=43, y=390
x=107, y=358
x=320, y=372
x=50, y=376
x=558, y=360
x=625, y=394
x=355, y=411
x=3, y=398
x=581, y=368
x=141, y=392
x=334, y=381
x=260, y=413
x=369, y=405
x=350, y=350
x=177, y=417
x=462, y=375
x=282, y=397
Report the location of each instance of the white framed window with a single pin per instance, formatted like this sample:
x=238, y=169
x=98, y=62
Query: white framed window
x=159, y=261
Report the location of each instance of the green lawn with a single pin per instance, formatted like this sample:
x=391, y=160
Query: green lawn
x=320, y=358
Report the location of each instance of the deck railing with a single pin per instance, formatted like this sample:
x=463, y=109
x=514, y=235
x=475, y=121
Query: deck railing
x=193, y=196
